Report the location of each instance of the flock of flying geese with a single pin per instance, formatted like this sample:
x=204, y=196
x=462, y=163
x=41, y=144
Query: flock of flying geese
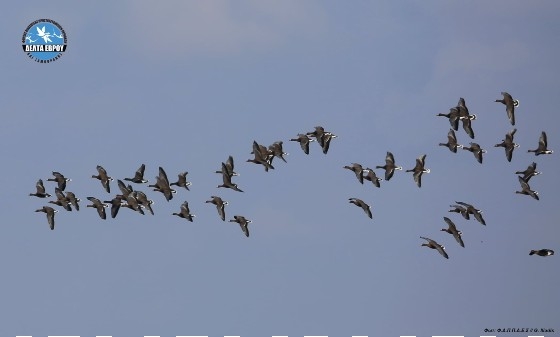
x=138, y=201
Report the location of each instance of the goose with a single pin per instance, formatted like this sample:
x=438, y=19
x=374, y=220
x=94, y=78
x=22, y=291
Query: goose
x=162, y=185
x=227, y=180
x=318, y=134
x=508, y=144
x=453, y=117
x=303, y=141
x=138, y=176
x=327, y=137
x=243, y=223
x=358, y=170
x=419, y=170
x=143, y=200
x=71, y=197
x=133, y=204
x=474, y=211
x=467, y=126
x=61, y=199
x=463, y=110
x=371, y=176
x=103, y=177
x=363, y=205
x=182, y=181
x=116, y=204
x=97, y=204
x=461, y=210
x=50, y=214
x=529, y=172
x=220, y=206
x=185, y=213
x=510, y=104
x=452, y=229
x=277, y=151
x=526, y=189
x=60, y=180
x=434, y=245
x=476, y=150
x=262, y=156
x=542, y=148
x=229, y=168
x=451, y=142
x=389, y=166
x=125, y=190
x=41, y=193
x=542, y=252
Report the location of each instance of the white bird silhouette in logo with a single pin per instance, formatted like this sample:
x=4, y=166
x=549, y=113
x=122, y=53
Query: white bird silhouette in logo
x=58, y=36
x=28, y=38
x=45, y=35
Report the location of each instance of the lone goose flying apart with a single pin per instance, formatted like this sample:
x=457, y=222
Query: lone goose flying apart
x=452, y=229
x=138, y=176
x=303, y=141
x=476, y=150
x=371, y=176
x=389, y=166
x=529, y=172
x=542, y=252
x=451, y=142
x=50, y=214
x=526, y=189
x=97, y=204
x=434, y=245
x=508, y=144
x=510, y=104
x=243, y=223
x=60, y=180
x=41, y=193
x=453, y=117
x=185, y=213
x=419, y=170
x=363, y=205
x=103, y=177
x=182, y=181
x=220, y=206
x=474, y=211
x=358, y=170
x=542, y=148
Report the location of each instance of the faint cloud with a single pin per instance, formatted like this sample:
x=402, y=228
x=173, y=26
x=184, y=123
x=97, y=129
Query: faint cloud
x=176, y=28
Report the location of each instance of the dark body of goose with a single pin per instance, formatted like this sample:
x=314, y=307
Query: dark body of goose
x=526, y=189
x=229, y=166
x=103, y=177
x=358, y=171
x=474, y=211
x=451, y=144
x=227, y=183
x=303, y=141
x=182, y=181
x=97, y=204
x=243, y=223
x=371, y=176
x=277, y=150
x=41, y=193
x=510, y=104
x=50, y=214
x=116, y=204
x=543, y=146
x=61, y=199
x=434, y=245
x=71, y=197
x=530, y=172
x=60, y=180
x=465, y=117
x=452, y=229
x=542, y=252
x=261, y=156
x=419, y=169
x=138, y=176
x=363, y=205
x=461, y=210
x=389, y=166
x=453, y=117
x=125, y=190
x=508, y=144
x=323, y=137
x=476, y=150
x=220, y=206
x=162, y=185
x=143, y=200
x=185, y=212
x=133, y=203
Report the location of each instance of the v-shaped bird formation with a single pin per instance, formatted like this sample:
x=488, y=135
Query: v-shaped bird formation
x=138, y=201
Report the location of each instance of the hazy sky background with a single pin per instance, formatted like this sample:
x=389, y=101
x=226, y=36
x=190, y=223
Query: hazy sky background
x=183, y=85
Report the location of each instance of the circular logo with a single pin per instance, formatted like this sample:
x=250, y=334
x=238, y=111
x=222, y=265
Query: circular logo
x=44, y=41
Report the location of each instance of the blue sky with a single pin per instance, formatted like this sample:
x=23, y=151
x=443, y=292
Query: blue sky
x=183, y=85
